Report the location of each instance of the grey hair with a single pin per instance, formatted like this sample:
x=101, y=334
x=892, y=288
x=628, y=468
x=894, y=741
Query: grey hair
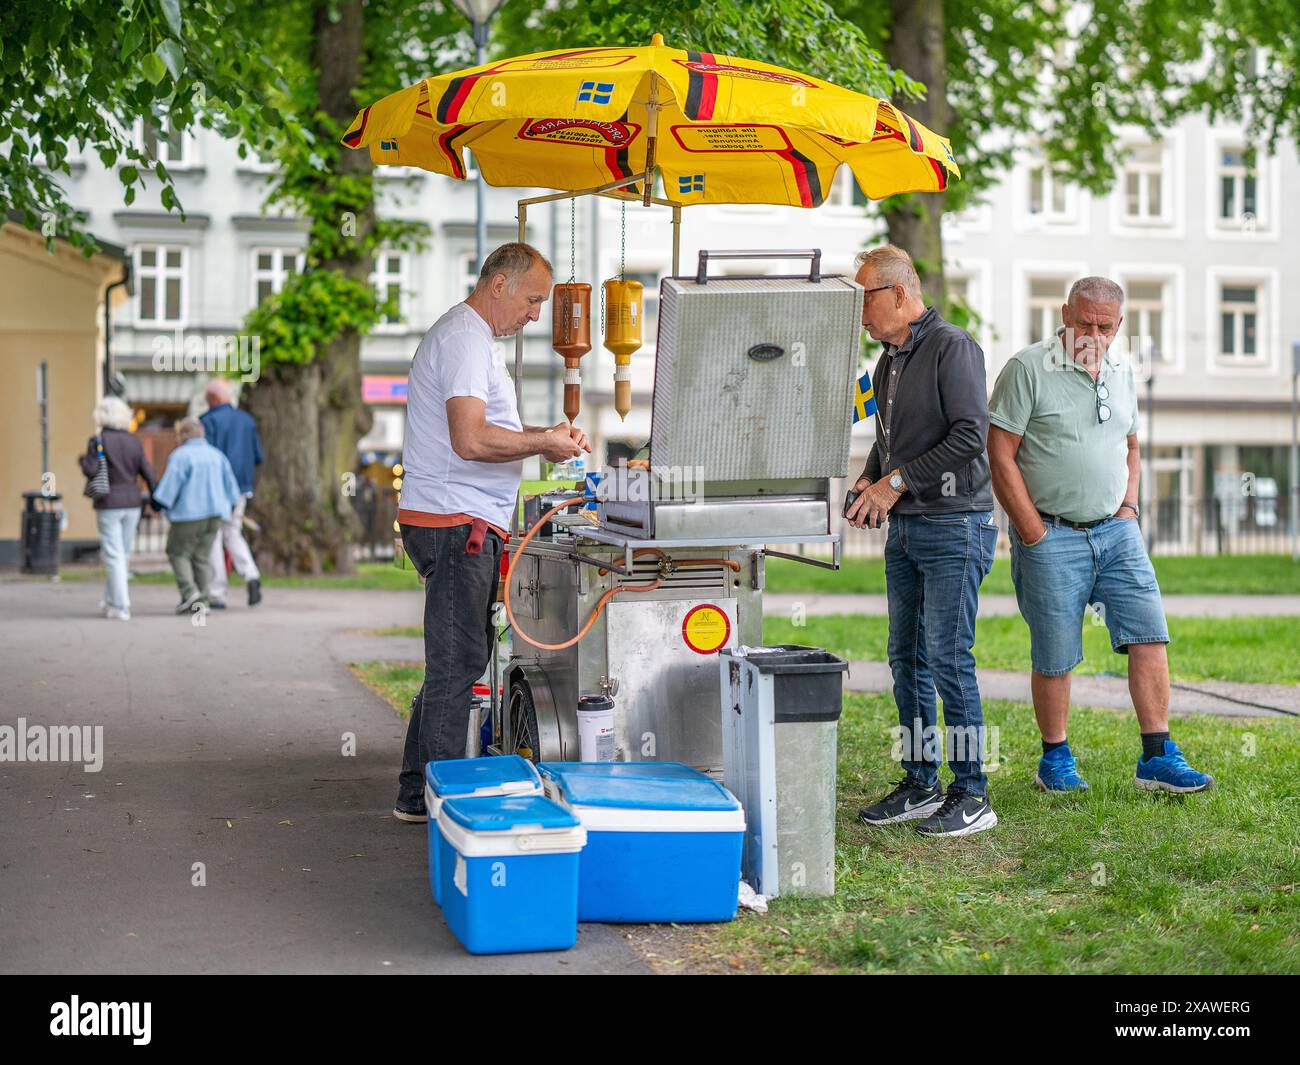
x=112, y=413
x=189, y=428
x=1096, y=290
x=892, y=266
x=514, y=260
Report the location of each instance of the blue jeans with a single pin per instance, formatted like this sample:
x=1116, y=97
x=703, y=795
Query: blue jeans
x=117, y=527
x=460, y=591
x=934, y=565
x=1069, y=568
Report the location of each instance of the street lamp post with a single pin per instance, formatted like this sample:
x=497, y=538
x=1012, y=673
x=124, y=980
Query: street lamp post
x=1294, y=471
x=479, y=13
x=1152, y=502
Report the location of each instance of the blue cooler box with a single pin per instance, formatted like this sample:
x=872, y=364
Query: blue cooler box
x=663, y=840
x=509, y=870
x=466, y=777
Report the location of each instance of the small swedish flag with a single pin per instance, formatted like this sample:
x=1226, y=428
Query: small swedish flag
x=864, y=398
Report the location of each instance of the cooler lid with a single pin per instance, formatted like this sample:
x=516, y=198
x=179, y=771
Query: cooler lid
x=638, y=786
x=466, y=776
x=504, y=813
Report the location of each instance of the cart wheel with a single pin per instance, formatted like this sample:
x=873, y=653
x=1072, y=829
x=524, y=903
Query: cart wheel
x=523, y=722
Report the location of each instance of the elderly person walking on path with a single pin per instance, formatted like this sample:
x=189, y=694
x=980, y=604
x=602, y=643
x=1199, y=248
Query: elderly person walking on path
x=1064, y=451
x=118, y=513
x=234, y=433
x=198, y=489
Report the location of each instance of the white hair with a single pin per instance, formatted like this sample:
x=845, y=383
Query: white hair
x=112, y=413
x=892, y=266
x=1096, y=290
x=188, y=429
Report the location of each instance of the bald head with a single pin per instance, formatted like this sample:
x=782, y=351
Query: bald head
x=217, y=392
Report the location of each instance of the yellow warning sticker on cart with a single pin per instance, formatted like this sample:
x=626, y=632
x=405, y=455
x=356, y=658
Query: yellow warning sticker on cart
x=705, y=628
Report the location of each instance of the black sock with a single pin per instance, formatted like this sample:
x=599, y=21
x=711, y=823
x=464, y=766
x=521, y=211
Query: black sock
x=1048, y=747
x=1153, y=744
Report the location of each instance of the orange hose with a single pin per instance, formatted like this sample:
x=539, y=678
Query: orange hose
x=600, y=604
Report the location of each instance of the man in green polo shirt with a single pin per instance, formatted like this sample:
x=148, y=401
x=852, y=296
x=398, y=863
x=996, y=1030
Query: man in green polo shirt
x=1063, y=450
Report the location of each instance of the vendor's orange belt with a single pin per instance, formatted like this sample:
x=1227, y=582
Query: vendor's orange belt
x=477, y=533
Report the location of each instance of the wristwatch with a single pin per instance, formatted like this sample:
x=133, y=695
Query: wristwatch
x=1131, y=506
x=896, y=482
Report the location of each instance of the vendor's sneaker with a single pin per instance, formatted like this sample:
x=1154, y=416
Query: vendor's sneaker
x=1057, y=771
x=415, y=817
x=909, y=801
x=1170, y=772
x=961, y=814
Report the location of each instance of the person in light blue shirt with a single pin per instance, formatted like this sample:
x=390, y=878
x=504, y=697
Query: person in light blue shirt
x=197, y=490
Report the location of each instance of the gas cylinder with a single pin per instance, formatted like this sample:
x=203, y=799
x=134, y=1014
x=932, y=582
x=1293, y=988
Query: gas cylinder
x=623, y=336
x=571, y=337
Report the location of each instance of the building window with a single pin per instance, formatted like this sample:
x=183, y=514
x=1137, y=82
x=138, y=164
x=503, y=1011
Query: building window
x=1239, y=316
x=271, y=268
x=1144, y=319
x=845, y=191
x=167, y=145
x=470, y=277
x=1046, y=294
x=1052, y=198
x=160, y=287
x=389, y=280
x=1238, y=189
x=1144, y=185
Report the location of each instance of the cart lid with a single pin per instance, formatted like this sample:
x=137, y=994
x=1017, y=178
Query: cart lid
x=508, y=813
x=638, y=786
x=494, y=775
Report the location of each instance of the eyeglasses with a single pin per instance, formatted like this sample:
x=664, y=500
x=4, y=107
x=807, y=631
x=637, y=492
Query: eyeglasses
x=878, y=288
x=1103, y=411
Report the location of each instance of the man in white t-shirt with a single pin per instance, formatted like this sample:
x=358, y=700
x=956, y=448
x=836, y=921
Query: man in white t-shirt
x=462, y=458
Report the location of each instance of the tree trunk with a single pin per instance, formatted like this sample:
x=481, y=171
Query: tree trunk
x=311, y=416
x=917, y=46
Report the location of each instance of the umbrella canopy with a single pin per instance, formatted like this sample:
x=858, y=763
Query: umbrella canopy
x=718, y=129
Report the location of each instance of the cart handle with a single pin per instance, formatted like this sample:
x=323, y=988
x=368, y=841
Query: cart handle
x=813, y=255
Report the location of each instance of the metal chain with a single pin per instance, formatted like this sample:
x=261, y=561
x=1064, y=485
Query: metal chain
x=573, y=238
x=622, y=248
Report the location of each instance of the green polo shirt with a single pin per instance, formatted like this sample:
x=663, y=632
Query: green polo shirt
x=1073, y=466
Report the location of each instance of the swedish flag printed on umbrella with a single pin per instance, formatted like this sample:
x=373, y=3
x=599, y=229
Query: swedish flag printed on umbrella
x=864, y=398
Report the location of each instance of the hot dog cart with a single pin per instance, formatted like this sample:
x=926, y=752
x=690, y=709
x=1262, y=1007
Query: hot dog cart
x=751, y=416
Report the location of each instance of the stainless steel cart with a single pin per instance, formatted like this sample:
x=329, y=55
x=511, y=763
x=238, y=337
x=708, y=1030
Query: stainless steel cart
x=751, y=416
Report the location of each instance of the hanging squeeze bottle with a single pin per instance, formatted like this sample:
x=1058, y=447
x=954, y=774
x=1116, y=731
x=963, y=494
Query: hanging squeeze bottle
x=622, y=336
x=571, y=337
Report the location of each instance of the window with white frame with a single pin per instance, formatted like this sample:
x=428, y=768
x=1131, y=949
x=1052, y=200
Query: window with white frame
x=1146, y=201
x=160, y=284
x=845, y=191
x=1052, y=198
x=1046, y=294
x=271, y=268
x=1238, y=188
x=1145, y=315
x=1239, y=323
x=168, y=146
x=390, y=283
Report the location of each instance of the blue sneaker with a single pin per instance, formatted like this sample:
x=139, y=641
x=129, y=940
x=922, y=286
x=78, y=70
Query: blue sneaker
x=1170, y=772
x=1057, y=771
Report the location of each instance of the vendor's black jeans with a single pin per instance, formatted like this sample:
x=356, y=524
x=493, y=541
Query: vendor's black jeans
x=460, y=591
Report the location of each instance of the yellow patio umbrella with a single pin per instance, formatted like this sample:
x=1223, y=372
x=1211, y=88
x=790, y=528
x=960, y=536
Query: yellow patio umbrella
x=717, y=128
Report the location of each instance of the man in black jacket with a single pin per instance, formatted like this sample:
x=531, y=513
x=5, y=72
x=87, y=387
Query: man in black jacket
x=928, y=472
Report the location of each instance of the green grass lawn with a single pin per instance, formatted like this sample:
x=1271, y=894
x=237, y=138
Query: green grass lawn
x=1192, y=575
x=1115, y=880
x=1261, y=650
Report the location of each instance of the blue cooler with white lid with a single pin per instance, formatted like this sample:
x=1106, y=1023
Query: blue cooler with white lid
x=663, y=840
x=509, y=870
x=467, y=777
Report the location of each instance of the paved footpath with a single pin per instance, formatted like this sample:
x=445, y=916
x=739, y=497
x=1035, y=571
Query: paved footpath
x=223, y=746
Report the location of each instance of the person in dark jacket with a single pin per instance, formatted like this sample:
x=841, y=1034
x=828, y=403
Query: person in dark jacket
x=118, y=513
x=928, y=472
x=234, y=433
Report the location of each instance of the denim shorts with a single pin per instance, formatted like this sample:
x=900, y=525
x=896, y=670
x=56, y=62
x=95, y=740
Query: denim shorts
x=1069, y=569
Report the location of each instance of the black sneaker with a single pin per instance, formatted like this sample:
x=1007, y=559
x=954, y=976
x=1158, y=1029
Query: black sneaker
x=254, y=592
x=417, y=816
x=961, y=814
x=908, y=801
x=217, y=604
x=188, y=603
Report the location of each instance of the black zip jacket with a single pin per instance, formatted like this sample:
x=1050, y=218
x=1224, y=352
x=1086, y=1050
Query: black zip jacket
x=940, y=426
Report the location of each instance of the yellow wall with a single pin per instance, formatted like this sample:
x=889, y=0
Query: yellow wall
x=50, y=309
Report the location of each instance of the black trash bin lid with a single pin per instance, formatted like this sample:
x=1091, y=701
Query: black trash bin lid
x=795, y=658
